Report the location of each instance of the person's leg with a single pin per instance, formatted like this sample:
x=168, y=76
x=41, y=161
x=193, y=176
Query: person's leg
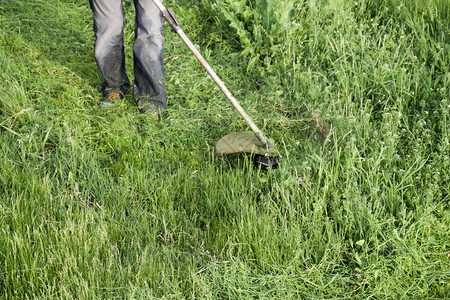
x=108, y=48
x=149, y=86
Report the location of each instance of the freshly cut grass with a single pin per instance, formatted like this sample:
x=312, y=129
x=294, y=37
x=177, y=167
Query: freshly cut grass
x=110, y=204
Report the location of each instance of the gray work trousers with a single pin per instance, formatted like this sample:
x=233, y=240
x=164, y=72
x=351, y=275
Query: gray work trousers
x=149, y=82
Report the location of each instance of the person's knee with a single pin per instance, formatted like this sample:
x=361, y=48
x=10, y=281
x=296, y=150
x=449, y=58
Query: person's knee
x=109, y=28
x=150, y=47
x=108, y=37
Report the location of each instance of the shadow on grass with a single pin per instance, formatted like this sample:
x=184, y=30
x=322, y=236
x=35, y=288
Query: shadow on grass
x=60, y=32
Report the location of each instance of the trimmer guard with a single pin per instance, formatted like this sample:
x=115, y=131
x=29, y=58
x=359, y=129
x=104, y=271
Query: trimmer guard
x=244, y=142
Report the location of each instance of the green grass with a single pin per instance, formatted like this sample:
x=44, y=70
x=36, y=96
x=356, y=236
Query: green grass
x=110, y=204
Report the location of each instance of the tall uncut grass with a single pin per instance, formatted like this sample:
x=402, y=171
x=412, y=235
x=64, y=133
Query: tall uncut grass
x=111, y=204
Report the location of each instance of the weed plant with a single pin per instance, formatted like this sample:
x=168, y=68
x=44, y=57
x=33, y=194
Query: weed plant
x=103, y=204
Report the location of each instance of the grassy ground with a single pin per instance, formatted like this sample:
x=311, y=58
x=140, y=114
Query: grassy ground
x=110, y=204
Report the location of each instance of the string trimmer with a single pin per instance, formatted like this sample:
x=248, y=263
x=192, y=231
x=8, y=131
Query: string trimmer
x=255, y=142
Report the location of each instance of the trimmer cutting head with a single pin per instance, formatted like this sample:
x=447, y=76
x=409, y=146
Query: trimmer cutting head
x=247, y=142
